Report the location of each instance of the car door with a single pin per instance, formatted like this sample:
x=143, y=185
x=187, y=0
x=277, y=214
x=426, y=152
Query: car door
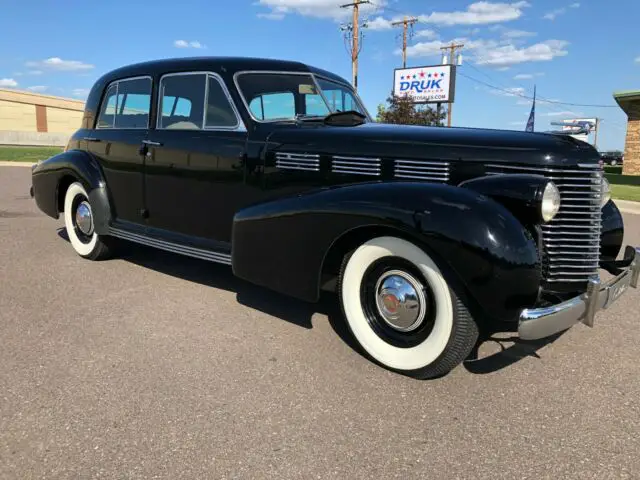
x=194, y=170
x=121, y=127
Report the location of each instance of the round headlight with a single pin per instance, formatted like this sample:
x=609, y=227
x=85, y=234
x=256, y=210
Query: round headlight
x=550, y=202
x=605, y=192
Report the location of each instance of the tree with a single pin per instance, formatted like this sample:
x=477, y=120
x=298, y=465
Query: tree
x=401, y=110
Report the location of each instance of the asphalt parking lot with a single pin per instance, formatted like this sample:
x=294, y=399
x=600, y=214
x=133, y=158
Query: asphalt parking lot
x=159, y=366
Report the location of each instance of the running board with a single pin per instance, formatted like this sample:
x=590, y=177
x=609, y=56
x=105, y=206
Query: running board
x=172, y=247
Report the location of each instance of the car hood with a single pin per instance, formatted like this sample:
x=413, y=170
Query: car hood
x=446, y=144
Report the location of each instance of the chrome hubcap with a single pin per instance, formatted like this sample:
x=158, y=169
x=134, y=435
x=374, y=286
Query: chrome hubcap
x=84, y=219
x=400, y=300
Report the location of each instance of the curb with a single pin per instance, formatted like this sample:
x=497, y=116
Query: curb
x=627, y=206
x=16, y=164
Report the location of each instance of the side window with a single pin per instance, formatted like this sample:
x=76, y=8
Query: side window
x=314, y=105
x=176, y=106
x=108, y=109
x=219, y=111
x=271, y=106
x=134, y=103
x=182, y=101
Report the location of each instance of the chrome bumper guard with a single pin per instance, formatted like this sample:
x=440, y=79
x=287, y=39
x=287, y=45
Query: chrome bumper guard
x=542, y=322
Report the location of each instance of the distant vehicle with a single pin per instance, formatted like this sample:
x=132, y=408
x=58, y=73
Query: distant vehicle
x=612, y=158
x=427, y=235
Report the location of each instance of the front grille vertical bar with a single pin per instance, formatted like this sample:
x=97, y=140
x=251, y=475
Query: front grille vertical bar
x=571, y=241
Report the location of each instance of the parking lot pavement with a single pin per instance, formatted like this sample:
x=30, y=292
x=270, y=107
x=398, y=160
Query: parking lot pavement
x=160, y=366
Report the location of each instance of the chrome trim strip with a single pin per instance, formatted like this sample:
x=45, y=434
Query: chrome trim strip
x=423, y=177
x=172, y=247
x=421, y=162
x=238, y=127
x=298, y=161
x=367, y=160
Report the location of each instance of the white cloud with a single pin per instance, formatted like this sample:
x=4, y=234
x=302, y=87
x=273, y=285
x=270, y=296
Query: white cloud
x=506, y=55
x=38, y=88
x=523, y=76
x=432, y=48
x=518, y=34
x=510, y=92
x=56, y=63
x=8, y=83
x=80, y=92
x=565, y=113
x=35, y=72
x=188, y=44
x=379, y=23
x=478, y=13
x=330, y=9
x=553, y=14
x=428, y=34
x=271, y=16
x=637, y=60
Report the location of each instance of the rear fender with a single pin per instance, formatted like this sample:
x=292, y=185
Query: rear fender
x=477, y=243
x=52, y=175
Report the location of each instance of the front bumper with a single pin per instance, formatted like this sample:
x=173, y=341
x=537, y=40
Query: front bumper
x=542, y=322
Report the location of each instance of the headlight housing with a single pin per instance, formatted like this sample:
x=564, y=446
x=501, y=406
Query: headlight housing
x=605, y=192
x=550, y=204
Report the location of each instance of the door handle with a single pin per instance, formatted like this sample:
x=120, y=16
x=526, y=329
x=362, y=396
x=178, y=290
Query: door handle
x=91, y=139
x=154, y=144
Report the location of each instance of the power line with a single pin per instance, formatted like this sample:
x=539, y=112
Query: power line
x=355, y=48
x=408, y=21
x=554, y=102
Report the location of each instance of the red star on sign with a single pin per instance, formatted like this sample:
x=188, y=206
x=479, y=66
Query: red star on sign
x=422, y=74
x=435, y=75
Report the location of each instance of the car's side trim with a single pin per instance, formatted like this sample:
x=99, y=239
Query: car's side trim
x=200, y=253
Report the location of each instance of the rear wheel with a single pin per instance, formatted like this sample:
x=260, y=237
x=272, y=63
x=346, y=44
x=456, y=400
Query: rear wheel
x=78, y=219
x=401, y=310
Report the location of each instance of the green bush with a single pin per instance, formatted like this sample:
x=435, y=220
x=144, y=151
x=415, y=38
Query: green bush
x=616, y=179
x=610, y=169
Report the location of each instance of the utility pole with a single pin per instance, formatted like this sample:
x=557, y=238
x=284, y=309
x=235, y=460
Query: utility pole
x=595, y=140
x=452, y=53
x=355, y=48
x=405, y=25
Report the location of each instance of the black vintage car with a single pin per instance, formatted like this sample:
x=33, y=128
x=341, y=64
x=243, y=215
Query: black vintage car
x=427, y=235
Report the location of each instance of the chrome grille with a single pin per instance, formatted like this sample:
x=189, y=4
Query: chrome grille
x=422, y=170
x=298, y=161
x=572, y=239
x=356, y=165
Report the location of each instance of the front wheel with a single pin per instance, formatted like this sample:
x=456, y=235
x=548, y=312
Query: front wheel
x=401, y=310
x=78, y=220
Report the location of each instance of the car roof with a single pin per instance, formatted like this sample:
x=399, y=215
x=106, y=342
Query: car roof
x=222, y=65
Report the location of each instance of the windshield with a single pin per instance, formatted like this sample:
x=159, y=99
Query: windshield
x=285, y=96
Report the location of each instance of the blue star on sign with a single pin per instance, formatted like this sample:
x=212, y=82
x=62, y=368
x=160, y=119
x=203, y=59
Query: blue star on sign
x=429, y=75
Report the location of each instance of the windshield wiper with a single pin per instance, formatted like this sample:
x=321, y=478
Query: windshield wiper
x=302, y=117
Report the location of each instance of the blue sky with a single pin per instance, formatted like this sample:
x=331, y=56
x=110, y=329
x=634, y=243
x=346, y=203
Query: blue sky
x=574, y=51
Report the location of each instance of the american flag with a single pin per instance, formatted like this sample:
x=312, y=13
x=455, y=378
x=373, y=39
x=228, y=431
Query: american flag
x=532, y=115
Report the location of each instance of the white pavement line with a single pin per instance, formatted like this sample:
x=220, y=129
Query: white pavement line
x=15, y=164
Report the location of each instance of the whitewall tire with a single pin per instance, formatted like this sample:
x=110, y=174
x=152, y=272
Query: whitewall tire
x=401, y=310
x=78, y=220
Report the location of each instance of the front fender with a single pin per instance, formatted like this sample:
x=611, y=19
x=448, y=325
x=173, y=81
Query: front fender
x=478, y=243
x=47, y=176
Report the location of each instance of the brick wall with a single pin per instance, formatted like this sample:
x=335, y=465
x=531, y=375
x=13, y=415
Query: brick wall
x=631, y=164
